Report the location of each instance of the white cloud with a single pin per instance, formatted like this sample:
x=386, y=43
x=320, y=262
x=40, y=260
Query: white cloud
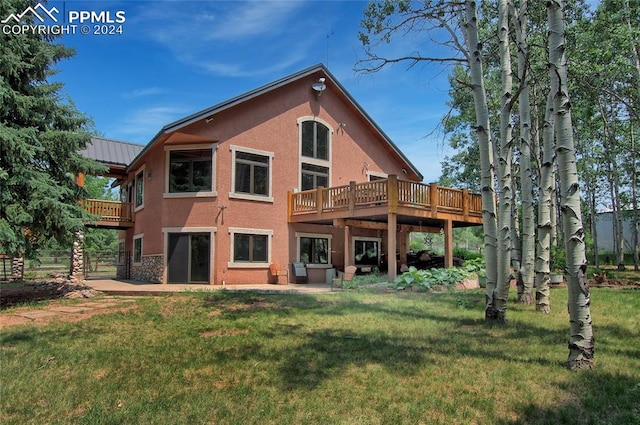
x=252, y=18
x=142, y=124
x=142, y=92
x=214, y=37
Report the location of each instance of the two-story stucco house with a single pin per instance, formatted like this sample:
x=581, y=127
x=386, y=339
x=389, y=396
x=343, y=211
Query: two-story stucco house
x=222, y=194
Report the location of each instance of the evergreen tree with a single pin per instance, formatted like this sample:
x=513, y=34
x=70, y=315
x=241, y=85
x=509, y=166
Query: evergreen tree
x=41, y=134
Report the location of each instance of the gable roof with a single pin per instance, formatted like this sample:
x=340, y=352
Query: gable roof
x=112, y=153
x=205, y=113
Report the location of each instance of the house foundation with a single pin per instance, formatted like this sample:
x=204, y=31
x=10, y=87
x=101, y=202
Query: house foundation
x=150, y=269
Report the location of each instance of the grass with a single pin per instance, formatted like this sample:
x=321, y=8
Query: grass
x=345, y=358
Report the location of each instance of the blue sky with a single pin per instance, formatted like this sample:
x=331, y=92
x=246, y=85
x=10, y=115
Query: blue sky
x=175, y=58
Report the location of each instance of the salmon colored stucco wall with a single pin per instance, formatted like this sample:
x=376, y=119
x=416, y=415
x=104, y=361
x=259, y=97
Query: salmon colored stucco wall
x=268, y=123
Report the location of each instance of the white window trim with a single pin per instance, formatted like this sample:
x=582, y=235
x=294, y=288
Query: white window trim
x=313, y=161
x=376, y=174
x=194, y=146
x=367, y=239
x=135, y=188
x=212, y=233
x=329, y=236
x=133, y=248
x=248, y=196
x=243, y=230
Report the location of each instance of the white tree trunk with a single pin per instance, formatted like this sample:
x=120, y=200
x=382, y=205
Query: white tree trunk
x=483, y=133
x=545, y=207
x=505, y=158
x=526, y=178
x=581, y=342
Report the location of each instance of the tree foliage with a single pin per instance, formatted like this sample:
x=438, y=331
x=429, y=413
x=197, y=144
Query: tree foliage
x=484, y=95
x=41, y=134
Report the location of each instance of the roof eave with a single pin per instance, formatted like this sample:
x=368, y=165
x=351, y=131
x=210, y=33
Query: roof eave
x=205, y=113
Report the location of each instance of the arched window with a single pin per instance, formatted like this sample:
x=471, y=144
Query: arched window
x=315, y=153
x=315, y=140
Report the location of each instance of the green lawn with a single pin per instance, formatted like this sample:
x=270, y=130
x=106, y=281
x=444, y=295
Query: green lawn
x=345, y=358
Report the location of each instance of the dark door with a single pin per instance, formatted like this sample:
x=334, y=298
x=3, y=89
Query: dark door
x=188, y=258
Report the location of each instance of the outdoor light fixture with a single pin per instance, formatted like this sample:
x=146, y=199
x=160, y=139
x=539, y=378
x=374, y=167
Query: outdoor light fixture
x=319, y=87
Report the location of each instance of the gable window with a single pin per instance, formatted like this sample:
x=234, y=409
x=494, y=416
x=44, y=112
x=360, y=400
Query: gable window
x=315, y=153
x=315, y=140
x=139, y=188
x=373, y=176
x=314, y=176
x=190, y=170
x=250, y=247
x=137, y=249
x=314, y=249
x=251, y=175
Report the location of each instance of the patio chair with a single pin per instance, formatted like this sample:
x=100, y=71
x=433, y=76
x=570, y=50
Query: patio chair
x=347, y=276
x=276, y=271
x=299, y=273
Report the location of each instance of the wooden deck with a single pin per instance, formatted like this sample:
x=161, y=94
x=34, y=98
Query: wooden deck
x=111, y=214
x=411, y=201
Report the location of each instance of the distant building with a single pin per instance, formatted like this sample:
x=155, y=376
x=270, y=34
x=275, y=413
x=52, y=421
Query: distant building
x=604, y=229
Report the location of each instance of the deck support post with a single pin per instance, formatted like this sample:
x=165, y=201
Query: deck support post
x=392, y=235
x=448, y=243
x=347, y=246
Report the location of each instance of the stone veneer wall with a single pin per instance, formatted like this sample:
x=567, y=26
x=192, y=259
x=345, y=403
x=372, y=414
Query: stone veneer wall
x=76, y=272
x=149, y=270
x=17, y=268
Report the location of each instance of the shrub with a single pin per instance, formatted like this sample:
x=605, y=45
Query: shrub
x=466, y=254
x=475, y=265
x=426, y=279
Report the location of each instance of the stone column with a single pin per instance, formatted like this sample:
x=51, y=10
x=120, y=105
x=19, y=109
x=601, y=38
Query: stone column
x=76, y=272
x=17, y=268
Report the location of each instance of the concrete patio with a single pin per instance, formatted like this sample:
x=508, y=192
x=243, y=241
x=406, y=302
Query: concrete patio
x=130, y=287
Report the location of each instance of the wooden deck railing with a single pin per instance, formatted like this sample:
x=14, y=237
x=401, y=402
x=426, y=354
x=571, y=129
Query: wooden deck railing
x=112, y=211
x=390, y=192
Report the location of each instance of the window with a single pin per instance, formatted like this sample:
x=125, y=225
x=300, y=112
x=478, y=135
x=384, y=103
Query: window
x=139, y=183
x=373, y=176
x=315, y=140
x=314, y=249
x=250, y=247
x=190, y=171
x=315, y=153
x=137, y=249
x=314, y=176
x=251, y=176
x=366, y=251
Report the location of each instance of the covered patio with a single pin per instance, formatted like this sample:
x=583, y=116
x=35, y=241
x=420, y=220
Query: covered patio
x=389, y=204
